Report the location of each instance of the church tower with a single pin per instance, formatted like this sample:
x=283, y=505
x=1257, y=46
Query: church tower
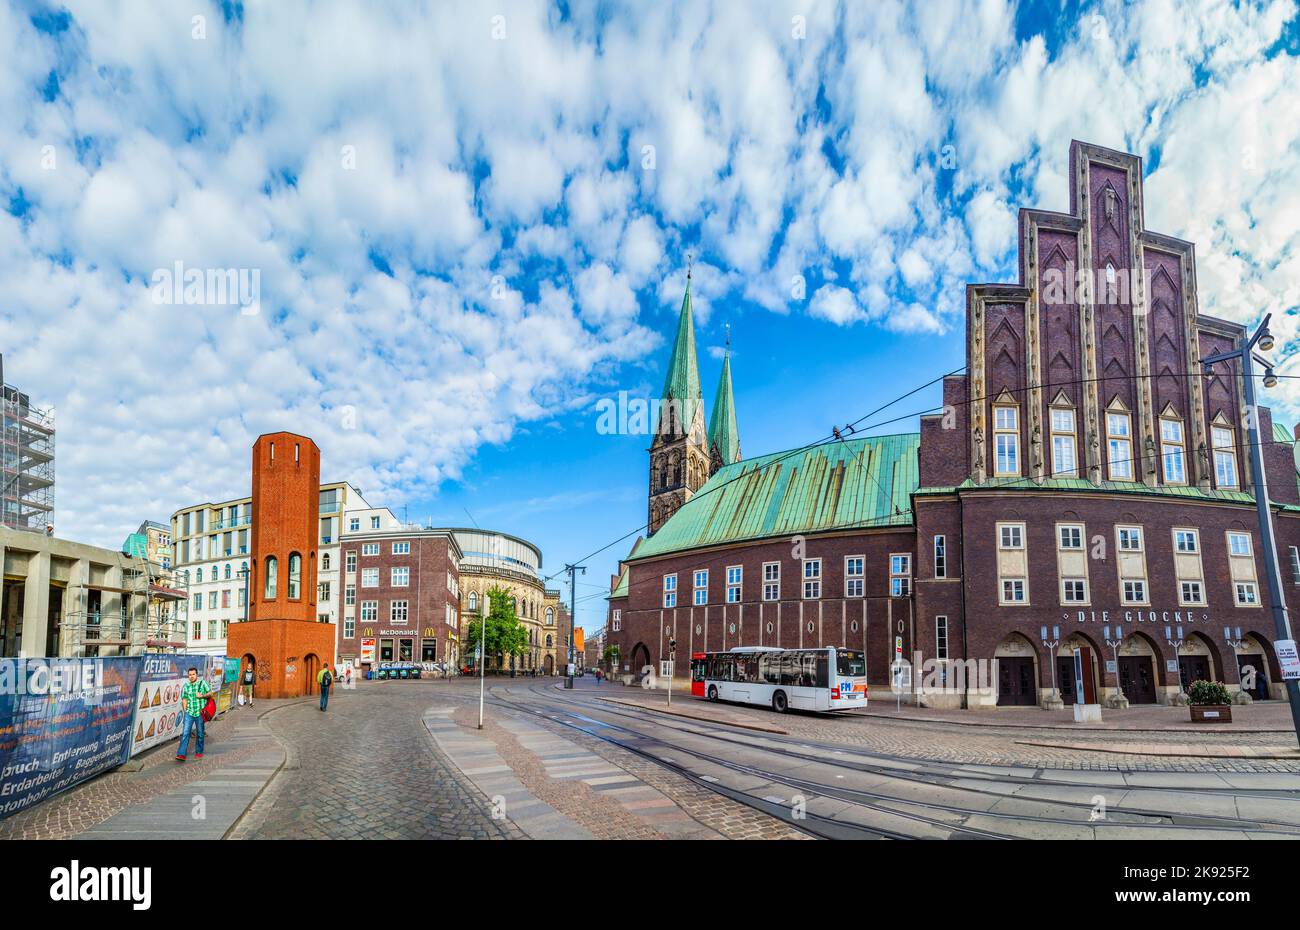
x=724, y=438
x=679, y=452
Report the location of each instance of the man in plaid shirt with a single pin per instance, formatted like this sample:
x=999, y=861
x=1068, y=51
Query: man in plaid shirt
x=194, y=694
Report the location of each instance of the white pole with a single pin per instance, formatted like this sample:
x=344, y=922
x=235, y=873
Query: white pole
x=480, y=656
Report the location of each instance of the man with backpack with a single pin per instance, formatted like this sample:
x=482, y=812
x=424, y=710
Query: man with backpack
x=194, y=695
x=247, y=684
x=324, y=678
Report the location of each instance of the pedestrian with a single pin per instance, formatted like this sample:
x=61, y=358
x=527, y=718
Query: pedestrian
x=324, y=678
x=247, y=684
x=194, y=694
x=347, y=677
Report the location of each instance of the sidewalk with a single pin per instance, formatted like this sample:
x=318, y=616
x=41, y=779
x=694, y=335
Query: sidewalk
x=154, y=797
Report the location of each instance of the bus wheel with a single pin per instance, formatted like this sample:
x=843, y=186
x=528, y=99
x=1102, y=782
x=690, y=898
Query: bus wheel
x=779, y=702
x=713, y=692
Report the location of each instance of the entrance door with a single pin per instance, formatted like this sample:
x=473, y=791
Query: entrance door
x=1137, y=679
x=1253, y=671
x=1065, y=679
x=1193, y=668
x=310, y=666
x=1016, y=683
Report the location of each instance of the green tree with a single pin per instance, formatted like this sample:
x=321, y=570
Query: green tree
x=611, y=658
x=506, y=636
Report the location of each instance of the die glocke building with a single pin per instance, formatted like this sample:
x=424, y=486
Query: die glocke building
x=1085, y=475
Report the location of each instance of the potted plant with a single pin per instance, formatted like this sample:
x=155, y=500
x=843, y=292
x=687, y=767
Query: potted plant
x=1210, y=702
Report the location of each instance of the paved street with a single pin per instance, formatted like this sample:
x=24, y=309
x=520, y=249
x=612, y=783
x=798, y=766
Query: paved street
x=406, y=760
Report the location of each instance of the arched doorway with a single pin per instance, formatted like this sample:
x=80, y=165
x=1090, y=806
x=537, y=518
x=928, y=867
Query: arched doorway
x=1017, y=672
x=550, y=665
x=1199, y=660
x=1073, y=690
x=310, y=666
x=640, y=658
x=1255, y=666
x=1139, y=669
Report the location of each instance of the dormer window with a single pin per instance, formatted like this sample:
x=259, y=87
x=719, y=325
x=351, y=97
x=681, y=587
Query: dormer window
x=1172, y=449
x=1064, y=447
x=1223, y=439
x=1119, y=443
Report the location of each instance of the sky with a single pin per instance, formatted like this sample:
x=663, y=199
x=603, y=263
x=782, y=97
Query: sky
x=467, y=228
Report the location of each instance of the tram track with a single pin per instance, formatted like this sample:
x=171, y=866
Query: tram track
x=882, y=803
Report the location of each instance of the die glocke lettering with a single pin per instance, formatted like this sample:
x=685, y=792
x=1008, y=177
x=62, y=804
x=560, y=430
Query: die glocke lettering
x=1135, y=616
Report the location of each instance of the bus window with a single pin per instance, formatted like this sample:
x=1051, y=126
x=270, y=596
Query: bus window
x=747, y=669
x=850, y=663
x=789, y=668
x=769, y=666
x=822, y=665
x=697, y=669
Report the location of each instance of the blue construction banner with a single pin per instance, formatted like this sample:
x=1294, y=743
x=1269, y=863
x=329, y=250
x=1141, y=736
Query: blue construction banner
x=62, y=721
x=158, y=700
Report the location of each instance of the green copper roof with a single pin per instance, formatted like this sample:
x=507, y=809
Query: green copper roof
x=136, y=546
x=620, y=589
x=839, y=485
x=683, y=380
x=723, y=434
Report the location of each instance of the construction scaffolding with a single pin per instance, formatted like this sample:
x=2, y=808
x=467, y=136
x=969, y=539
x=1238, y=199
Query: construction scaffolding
x=26, y=462
x=147, y=612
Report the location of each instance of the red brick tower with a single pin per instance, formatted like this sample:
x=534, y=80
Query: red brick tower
x=283, y=636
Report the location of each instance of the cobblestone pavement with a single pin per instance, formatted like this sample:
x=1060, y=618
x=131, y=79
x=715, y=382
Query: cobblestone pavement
x=368, y=769
x=1018, y=744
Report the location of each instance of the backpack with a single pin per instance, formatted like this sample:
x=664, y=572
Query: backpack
x=326, y=680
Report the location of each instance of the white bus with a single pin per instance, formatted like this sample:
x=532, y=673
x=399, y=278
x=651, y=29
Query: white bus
x=828, y=678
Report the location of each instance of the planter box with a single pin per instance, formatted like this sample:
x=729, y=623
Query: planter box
x=1211, y=713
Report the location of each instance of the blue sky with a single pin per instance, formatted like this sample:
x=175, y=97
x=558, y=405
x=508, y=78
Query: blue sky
x=469, y=227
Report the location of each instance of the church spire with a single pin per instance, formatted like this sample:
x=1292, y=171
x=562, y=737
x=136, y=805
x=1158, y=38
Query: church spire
x=724, y=437
x=682, y=383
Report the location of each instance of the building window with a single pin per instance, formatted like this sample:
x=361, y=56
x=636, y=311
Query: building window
x=670, y=590
x=1064, y=458
x=370, y=548
x=1135, y=591
x=374, y=523
x=401, y=548
x=1193, y=593
x=1295, y=565
x=354, y=525
x=812, y=579
x=1013, y=590
x=369, y=612
x=1247, y=595
x=1171, y=451
x=771, y=581
x=400, y=577
x=1119, y=445
x=701, y=580
x=198, y=601
x=550, y=616
x=941, y=638
x=616, y=622
x=1186, y=541
x=350, y=595
x=295, y=576
x=1225, y=457
x=325, y=561
x=473, y=600
x=1239, y=543
x=1070, y=536
x=323, y=591
x=1006, y=440
x=350, y=563
x=734, y=575
x=225, y=598
x=1130, y=538
x=900, y=575
x=397, y=611
x=1074, y=591
x=1011, y=536
x=197, y=630
x=854, y=572
x=940, y=557
x=212, y=600
x=369, y=577
x=349, y=628
x=272, y=573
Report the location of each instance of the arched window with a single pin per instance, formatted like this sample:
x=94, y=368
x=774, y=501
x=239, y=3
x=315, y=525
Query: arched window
x=549, y=641
x=324, y=561
x=272, y=574
x=243, y=568
x=550, y=617
x=295, y=576
x=227, y=571
x=473, y=600
x=514, y=603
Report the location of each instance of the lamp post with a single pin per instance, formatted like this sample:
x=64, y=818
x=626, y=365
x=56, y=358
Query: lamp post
x=1245, y=354
x=573, y=607
x=1118, y=699
x=1174, y=637
x=244, y=573
x=1050, y=645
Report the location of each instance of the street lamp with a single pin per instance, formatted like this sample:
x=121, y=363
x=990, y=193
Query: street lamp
x=1245, y=354
x=1050, y=645
x=1118, y=699
x=1174, y=637
x=244, y=573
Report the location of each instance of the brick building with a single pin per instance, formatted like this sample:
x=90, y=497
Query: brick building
x=1085, y=476
x=404, y=582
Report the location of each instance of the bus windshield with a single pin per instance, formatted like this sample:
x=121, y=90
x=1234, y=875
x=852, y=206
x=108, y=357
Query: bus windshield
x=850, y=664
